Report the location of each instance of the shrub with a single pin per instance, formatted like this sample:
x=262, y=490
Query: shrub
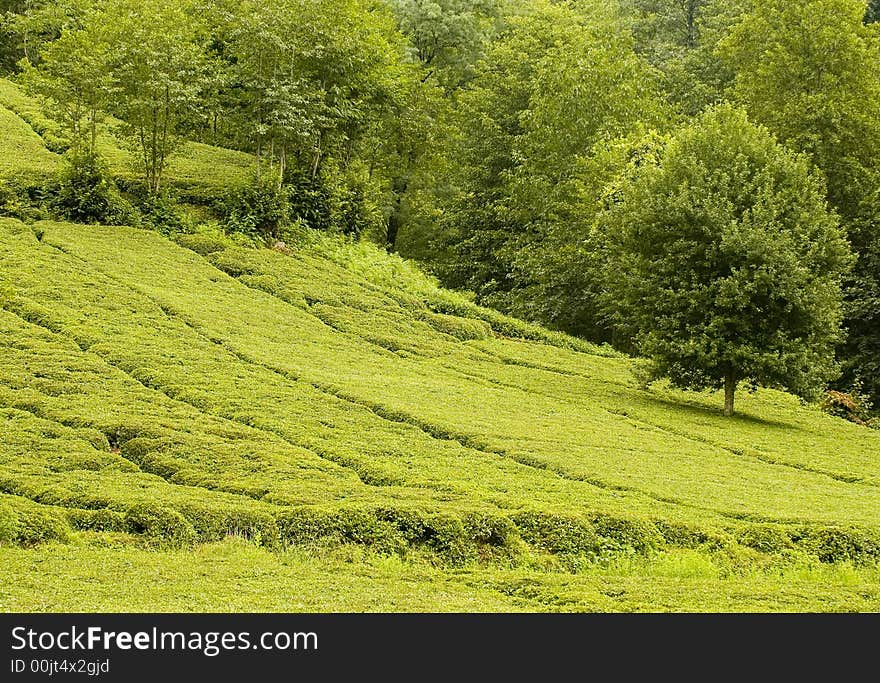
x=839, y=544
x=354, y=217
x=309, y=199
x=307, y=526
x=362, y=527
x=161, y=212
x=25, y=523
x=600, y=536
x=32, y=114
x=11, y=204
x=627, y=535
x=21, y=199
x=163, y=525
x=765, y=538
x=8, y=523
x=84, y=192
x=449, y=539
x=391, y=531
x=213, y=523
x=267, y=283
x=489, y=529
x=413, y=524
x=260, y=528
x=853, y=407
x=557, y=534
x=260, y=209
x=353, y=203
x=201, y=244
x=40, y=526
x=462, y=329
x=683, y=535
x=96, y=520
x=453, y=540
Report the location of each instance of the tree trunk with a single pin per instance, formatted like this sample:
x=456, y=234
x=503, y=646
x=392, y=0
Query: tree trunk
x=316, y=165
x=27, y=13
x=259, y=159
x=94, y=132
x=691, y=19
x=729, y=389
x=394, y=219
x=316, y=159
x=282, y=167
x=391, y=232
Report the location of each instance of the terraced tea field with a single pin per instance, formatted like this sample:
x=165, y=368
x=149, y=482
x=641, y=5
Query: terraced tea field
x=192, y=424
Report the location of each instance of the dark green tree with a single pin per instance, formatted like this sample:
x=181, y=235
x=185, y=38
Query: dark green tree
x=554, y=89
x=26, y=26
x=808, y=71
x=679, y=37
x=724, y=263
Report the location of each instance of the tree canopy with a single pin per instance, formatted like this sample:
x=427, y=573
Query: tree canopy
x=725, y=264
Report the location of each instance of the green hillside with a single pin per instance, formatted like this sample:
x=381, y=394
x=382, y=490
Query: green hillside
x=198, y=172
x=24, y=152
x=189, y=424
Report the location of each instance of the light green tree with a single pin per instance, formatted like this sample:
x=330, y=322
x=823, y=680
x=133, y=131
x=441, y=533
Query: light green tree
x=312, y=76
x=157, y=68
x=73, y=77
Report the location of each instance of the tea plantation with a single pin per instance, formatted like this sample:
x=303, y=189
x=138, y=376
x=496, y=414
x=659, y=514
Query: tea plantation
x=190, y=424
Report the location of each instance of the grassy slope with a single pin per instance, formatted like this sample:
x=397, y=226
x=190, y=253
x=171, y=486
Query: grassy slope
x=23, y=151
x=153, y=396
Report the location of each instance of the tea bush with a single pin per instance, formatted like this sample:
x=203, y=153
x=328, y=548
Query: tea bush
x=163, y=525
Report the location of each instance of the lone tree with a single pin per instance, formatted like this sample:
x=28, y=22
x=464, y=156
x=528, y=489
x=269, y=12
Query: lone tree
x=724, y=263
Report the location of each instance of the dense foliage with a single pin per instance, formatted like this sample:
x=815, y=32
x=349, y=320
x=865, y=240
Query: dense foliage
x=725, y=264
x=184, y=414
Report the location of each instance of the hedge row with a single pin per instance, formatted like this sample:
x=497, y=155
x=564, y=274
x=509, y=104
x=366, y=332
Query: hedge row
x=455, y=540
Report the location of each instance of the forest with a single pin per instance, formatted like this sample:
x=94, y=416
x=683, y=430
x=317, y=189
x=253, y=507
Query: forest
x=696, y=182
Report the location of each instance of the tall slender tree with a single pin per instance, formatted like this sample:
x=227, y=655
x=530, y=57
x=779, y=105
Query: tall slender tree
x=157, y=66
